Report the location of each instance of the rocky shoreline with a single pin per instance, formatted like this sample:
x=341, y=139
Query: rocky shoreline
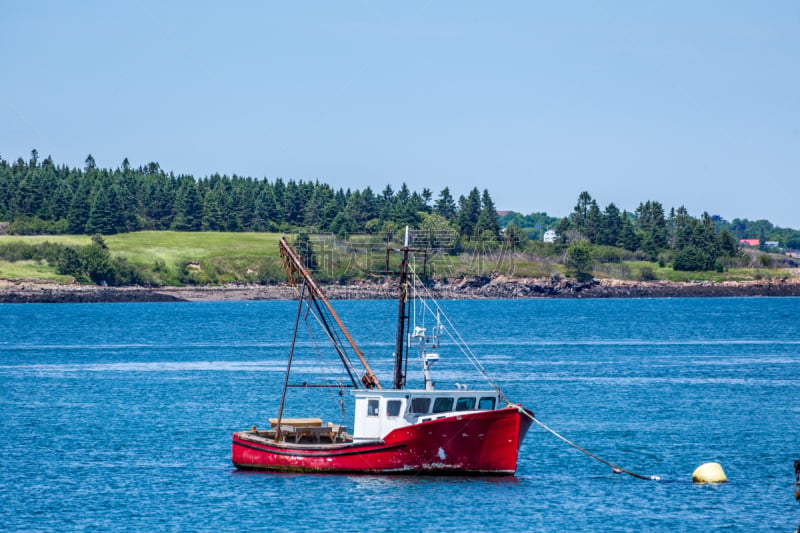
x=37, y=291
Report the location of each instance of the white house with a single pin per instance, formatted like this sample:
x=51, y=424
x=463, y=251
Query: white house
x=550, y=236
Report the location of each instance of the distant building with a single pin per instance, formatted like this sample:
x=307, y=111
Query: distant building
x=793, y=253
x=550, y=236
x=771, y=244
x=749, y=242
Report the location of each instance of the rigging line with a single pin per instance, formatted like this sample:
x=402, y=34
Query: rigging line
x=351, y=371
x=289, y=364
x=616, y=469
x=322, y=361
x=459, y=341
x=328, y=369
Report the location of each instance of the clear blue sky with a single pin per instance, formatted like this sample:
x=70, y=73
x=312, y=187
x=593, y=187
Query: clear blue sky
x=686, y=103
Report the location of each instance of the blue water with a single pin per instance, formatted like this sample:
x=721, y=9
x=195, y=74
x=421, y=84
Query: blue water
x=118, y=416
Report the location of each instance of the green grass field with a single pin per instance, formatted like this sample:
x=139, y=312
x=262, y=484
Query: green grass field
x=232, y=257
x=148, y=248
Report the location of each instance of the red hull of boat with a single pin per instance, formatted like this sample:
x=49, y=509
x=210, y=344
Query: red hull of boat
x=486, y=442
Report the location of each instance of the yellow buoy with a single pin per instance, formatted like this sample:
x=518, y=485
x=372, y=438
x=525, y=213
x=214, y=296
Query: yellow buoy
x=709, y=473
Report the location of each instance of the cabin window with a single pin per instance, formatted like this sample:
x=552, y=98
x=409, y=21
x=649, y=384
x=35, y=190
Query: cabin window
x=372, y=407
x=486, y=403
x=393, y=407
x=465, y=404
x=420, y=405
x=442, y=405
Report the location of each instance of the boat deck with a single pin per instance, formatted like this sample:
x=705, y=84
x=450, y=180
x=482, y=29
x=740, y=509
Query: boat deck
x=302, y=431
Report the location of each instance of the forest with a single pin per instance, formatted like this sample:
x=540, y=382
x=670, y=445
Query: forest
x=38, y=196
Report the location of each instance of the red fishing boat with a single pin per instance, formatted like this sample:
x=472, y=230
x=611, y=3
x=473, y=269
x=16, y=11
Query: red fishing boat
x=397, y=430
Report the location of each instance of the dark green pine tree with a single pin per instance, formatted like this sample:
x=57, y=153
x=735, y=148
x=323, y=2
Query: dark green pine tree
x=279, y=194
x=628, y=238
x=487, y=224
x=62, y=196
x=5, y=191
x=653, y=224
x=469, y=209
x=330, y=211
x=681, y=229
x=386, y=203
x=213, y=218
x=79, y=207
x=101, y=216
x=611, y=226
x=188, y=207
x=293, y=204
x=727, y=245
x=96, y=260
x=426, y=195
x=593, y=223
x=445, y=205
x=313, y=215
x=303, y=246
x=357, y=210
x=117, y=210
x=266, y=210
x=580, y=212
x=404, y=208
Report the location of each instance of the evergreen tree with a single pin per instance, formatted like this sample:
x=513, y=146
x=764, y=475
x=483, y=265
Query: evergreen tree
x=487, y=218
x=445, y=205
x=404, y=208
x=727, y=244
x=69, y=263
x=386, y=203
x=692, y=258
x=266, y=210
x=592, y=226
x=357, y=210
x=628, y=237
x=468, y=212
x=653, y=225
x=314, y=215
x=213, y=218
x=682, y=229
x=426, y=196
x=79, y=207
x=579, y=261
x=580, y=212
x=303, y=246
x=188, y=207
x=610, y=226
x=96, y=261
x=101, y=217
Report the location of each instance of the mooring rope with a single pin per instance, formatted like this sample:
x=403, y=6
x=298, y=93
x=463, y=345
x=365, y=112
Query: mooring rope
x=616, y=469
x=456, y=337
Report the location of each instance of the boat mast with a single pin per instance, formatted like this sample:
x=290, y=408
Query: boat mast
x=399, y=374
x=294, y=266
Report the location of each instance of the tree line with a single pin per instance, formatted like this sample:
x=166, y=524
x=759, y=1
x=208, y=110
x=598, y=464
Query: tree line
x=675, y=238
x=41, y=197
